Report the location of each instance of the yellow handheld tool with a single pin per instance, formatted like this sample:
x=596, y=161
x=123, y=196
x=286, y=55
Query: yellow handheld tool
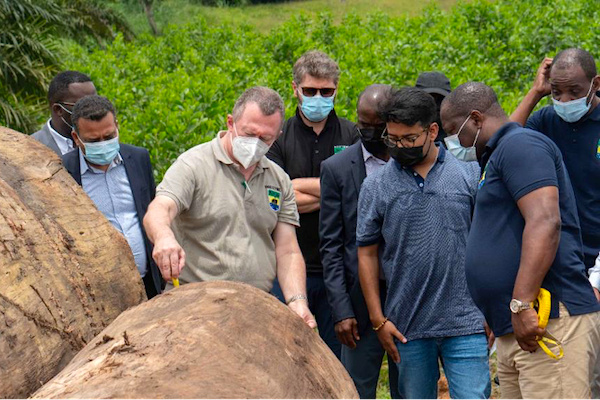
x=176, y=282
x=543, y=309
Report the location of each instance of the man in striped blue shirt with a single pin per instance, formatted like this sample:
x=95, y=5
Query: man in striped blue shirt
x=414, y=214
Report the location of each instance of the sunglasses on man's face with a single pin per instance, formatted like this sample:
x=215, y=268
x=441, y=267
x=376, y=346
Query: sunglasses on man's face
x=310, y=92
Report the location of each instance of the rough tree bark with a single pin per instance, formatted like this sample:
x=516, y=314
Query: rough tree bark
x=65, y=272
x=205, y=340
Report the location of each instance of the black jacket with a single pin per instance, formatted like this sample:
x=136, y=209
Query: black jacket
x=341, y=178
x=139, y=172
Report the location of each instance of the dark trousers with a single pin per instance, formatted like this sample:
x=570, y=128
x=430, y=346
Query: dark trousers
x=319, y=306
x=363, y=363
x=149, y=285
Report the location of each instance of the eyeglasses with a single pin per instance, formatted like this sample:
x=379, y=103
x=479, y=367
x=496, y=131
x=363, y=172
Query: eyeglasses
x=310, y=92
x=407, y=141
x=62, y=105
x=373, y=133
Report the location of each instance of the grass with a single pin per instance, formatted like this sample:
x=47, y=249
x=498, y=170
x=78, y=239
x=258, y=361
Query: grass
x=264, y=16
x=383, y=385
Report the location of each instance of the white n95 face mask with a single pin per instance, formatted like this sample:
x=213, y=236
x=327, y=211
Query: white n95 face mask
x=248, y=150
x=457, y=150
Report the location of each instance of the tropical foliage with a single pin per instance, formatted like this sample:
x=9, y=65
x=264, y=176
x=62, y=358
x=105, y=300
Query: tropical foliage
x=175, y=91
x=30, y=49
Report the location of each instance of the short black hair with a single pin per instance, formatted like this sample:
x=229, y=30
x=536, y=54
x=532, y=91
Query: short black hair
x=409, y=106
x=59, y=87
x=92, y=107
x=473, y=96
x=572, y=57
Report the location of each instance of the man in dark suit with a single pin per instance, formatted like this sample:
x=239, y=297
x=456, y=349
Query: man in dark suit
x=341, y=179
x=65, y=90
x=117, y=177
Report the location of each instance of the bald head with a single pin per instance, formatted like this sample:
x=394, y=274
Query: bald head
x=369, y=104
x=573, y=57
x=472, y=111
x=471, y=96
x=372, y=95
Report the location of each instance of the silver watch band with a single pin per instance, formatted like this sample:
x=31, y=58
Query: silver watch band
x=296, y=297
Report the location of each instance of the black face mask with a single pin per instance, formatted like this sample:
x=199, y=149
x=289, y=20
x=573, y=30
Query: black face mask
x=407, y=157
x=376, y=147
x=372, y=140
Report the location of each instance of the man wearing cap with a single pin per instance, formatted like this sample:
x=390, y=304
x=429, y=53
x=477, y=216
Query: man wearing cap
x=438, y=86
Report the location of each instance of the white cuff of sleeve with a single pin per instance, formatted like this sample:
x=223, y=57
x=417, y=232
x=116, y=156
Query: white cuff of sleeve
x=595, y=277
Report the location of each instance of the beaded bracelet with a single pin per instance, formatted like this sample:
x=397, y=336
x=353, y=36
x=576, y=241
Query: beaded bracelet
x=378, y=327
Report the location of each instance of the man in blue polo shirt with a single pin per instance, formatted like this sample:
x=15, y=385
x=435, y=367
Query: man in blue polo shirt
x=414, y=215
x=573, y=123
x=525, y=236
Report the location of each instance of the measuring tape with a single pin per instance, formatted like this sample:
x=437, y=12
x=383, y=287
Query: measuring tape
x=543, y=309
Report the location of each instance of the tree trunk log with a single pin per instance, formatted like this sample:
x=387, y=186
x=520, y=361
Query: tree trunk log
x=147, y=4
x=205, y=340
x=65, y=272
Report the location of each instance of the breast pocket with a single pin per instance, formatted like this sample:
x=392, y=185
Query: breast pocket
x=456, y=212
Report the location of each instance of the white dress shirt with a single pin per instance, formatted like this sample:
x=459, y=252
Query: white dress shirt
x=64, y=144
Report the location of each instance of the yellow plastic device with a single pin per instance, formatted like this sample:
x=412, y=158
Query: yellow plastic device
x=543, y=309
x=176, y=283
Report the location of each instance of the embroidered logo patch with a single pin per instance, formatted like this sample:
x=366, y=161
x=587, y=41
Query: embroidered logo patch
x=274, y=199
x=338, y=148
x=482, y=180
x=598, y=150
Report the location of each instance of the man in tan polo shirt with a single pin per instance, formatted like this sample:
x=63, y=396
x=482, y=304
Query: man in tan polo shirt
x=232, y=210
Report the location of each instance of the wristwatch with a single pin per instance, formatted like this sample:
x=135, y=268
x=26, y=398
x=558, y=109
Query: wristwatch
x=516, y=306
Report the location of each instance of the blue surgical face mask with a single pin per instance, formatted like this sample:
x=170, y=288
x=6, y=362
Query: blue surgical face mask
x=457, y=150
x=316, y=108
x=573, y=111
x=102, y=153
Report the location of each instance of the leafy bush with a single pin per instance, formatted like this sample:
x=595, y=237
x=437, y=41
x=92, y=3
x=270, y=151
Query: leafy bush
x=175, y=91
x=228, y=3
x=30, y=40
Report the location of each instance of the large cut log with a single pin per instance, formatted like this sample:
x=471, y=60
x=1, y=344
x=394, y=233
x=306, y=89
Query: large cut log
x=65, y=272
x=205, y=340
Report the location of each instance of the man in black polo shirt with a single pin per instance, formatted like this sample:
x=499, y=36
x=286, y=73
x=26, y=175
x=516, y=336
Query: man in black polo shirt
x=312, y=135
x=525, y=236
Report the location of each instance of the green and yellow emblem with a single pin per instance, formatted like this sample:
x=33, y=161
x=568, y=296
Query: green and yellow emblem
x=274, y=199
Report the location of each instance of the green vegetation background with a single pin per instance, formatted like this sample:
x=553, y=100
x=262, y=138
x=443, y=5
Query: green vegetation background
x=174, y=91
